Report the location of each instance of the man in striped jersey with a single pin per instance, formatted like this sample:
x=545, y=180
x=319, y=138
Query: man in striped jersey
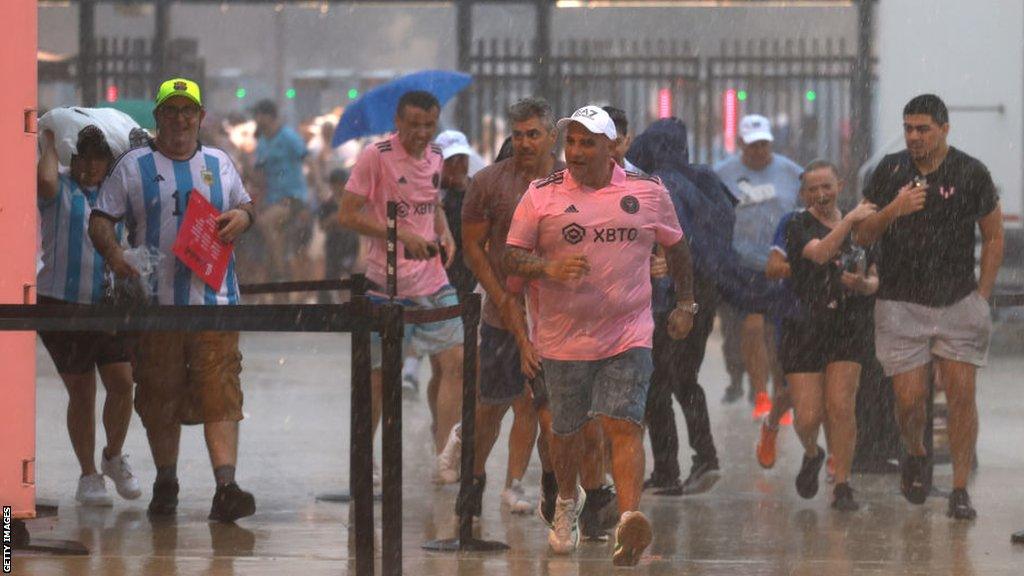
x=72, y=275
x=183, y=377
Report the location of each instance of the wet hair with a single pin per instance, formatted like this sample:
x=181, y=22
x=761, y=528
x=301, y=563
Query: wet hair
x=93, y=144
x=417, y=99
x=265, y=106
x=929, y=104
x=532, y=107
x=619, y=118
x=819, y=164
x=338, y=176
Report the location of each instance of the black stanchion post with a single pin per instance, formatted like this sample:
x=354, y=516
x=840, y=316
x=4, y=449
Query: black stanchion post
x=392, y=249
x=391, y=436
x=361, y=448
x=465, y=540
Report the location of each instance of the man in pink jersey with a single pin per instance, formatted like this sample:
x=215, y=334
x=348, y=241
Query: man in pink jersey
x=406, y=168
x=585, y=234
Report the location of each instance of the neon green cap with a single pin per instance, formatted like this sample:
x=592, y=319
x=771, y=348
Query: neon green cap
x=179, y=87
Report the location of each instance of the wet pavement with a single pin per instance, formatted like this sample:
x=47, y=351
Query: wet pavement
x=295, y=445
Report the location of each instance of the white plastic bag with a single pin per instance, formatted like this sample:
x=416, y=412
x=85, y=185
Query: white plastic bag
x=66, y=123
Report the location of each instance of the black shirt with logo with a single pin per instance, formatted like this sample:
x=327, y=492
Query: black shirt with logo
x=928, y=257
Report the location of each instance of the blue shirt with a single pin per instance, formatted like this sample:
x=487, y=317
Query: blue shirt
x=765, y=196
x=280, y=158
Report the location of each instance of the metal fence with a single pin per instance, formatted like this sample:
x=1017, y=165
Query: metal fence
x=803, y=86
x=125, y=68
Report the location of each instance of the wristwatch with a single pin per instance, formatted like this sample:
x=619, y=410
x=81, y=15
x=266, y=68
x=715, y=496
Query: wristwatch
x=692, y=308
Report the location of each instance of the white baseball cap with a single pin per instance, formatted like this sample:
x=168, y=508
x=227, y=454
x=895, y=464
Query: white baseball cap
x=453, y=143
x=594, y=119
x=754, y=128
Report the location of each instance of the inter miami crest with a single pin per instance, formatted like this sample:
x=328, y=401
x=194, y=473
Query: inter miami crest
x=629, y=204
x=402, y=209
x=574, y=233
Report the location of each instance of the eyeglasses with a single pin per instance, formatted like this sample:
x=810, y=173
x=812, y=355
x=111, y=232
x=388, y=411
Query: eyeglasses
x=186, y=112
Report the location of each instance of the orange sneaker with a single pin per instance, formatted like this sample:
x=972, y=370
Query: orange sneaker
x=766, y=446
x=787, y=419
x=762, y=405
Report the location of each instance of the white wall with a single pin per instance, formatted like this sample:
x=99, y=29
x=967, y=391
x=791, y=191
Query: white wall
x=970, y=54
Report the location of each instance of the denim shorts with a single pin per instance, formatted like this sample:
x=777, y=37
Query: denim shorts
x=615, y=387
x=428, y=339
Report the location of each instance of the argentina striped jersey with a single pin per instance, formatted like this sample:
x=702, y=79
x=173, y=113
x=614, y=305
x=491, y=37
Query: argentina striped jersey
x=72, y=269
x=150, y=192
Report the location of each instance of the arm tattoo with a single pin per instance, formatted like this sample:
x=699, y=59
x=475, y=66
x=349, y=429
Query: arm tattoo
x=519, y=262
x=680, y=265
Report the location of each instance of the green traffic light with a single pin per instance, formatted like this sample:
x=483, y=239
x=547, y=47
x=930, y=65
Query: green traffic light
x=741, y=95
x=290, y=93
x=811, y=95
x=240, y=93
x=353, y=93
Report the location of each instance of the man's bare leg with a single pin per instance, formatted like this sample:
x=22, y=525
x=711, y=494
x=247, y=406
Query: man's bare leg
x=521, y=438
x=755, y=353
x=960, y=379
x=911, y=390
x=449, y=393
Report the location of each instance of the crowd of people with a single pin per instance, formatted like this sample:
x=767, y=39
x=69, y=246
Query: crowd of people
x=601, y=273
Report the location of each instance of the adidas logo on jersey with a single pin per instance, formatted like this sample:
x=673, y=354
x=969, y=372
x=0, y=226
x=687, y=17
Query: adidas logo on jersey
x=572, y=209
x=158, y=178
x=402, y=180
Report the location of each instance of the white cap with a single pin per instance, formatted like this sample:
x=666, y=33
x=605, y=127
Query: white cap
x=754, y=128
x=594, y=119
x=453, y=143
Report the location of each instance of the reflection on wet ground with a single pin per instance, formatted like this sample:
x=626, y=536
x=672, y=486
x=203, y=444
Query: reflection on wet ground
x=295, y=445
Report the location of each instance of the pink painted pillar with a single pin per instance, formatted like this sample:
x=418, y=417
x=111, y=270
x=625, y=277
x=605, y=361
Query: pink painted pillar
x=18, y=215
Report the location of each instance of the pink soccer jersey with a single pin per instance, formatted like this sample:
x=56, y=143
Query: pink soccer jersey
x=383, y=172
x=608, y=311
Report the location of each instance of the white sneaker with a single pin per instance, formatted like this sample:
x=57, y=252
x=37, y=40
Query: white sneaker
x=515, y=499
x=564, y=536
x=450, y=458
x=92, y=491
x=118, y=470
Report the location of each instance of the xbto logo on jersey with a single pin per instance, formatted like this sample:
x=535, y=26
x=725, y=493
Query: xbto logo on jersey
x=574, y=233
x=615, y=234
x=629, y=204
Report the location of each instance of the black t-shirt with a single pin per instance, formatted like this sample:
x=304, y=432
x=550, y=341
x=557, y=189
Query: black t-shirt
x=928, y=257
x=459, y=274
x=819, y=286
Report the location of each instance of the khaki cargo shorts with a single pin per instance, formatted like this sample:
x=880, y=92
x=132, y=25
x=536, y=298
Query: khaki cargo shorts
x=187, y=378
x=909, y=335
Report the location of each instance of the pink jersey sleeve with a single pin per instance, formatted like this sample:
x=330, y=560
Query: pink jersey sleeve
x=667, y=230
x=525, y=223
x=363, y=180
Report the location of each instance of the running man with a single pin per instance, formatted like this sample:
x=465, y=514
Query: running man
x=586, y=235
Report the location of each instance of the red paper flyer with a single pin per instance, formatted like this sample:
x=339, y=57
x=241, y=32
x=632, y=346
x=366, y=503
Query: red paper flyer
x=197, y=244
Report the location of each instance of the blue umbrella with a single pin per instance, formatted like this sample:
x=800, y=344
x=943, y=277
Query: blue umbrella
x=374, y=113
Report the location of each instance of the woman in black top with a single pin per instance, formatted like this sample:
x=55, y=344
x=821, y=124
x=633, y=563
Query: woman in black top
x=823, y=347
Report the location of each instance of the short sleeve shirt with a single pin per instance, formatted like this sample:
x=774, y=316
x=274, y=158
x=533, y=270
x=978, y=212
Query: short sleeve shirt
x=765, y=196
x=386, y=172
x=608, y=311
x=150, y=192
x=928, y=257
x=493, y=196
x=779, y=239
x=280, y=157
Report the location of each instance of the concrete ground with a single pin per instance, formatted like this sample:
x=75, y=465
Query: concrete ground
x=295, y=445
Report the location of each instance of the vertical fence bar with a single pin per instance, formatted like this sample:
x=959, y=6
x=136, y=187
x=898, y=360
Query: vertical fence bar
x=361, y=443
x=470, y=325
x=391, y=438
x=392, y=249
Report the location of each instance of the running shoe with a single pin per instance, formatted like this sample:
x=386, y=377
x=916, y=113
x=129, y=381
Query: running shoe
x=912, y=482
x=807, y=479
x=762, y=405
x=450, y=458
x=632, y=537
x=732, y=394
x=514, y=498
x=564, y=536
x=92, y=491
x=659, y=482
x=231, y=503
x=960, y=505
x=165, y=498
x=842, y=498
x=118, y=470
x=703, y=476
x=766, y=445
x=594, y=517
x=830, y=469
x=787, y=418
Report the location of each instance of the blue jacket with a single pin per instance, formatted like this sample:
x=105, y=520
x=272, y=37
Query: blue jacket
x=706, y=212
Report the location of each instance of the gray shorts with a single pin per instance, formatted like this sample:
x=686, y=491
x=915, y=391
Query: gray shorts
x=428, y=339
x=909, y=335
x=615, y=387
